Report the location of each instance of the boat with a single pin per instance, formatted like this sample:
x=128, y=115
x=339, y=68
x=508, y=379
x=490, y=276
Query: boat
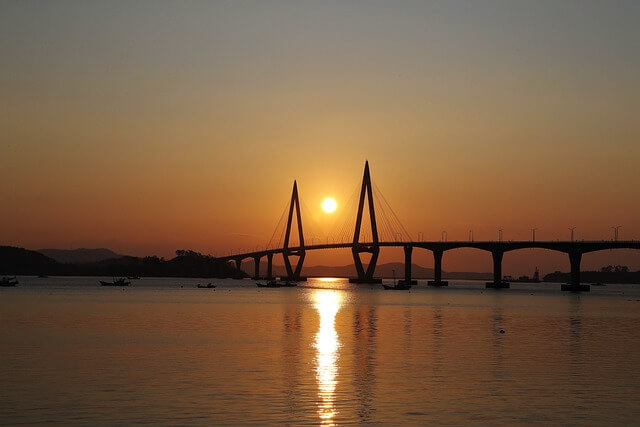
x=133, y=277
x=42, y=276
x=397, y=286
x=273, y=284
x=116, y=282
x=9, y=281
x=206, y=285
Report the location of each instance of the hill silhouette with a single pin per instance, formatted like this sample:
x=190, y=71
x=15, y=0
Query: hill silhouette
x=20, y=261
x=80, y=255
x=23, y=261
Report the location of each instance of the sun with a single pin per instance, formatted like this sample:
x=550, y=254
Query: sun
x=329, y=205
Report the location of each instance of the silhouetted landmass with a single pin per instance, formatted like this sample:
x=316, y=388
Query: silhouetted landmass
x=80, y=255
x=186, y=264
x=608, y=274
x=23, y=261
x=382, y=270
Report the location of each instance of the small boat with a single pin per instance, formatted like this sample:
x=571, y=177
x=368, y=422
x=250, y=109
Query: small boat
x=271, y=284
x=116, y=282
x=9, y=281
x=133, y=277
x=397, y=286
x=42, y=276
x=206, y=285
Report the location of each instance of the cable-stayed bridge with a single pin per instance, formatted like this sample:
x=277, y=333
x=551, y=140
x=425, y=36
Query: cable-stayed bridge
x=366, y=234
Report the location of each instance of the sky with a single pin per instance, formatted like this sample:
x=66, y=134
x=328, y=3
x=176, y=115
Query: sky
x=152, y=126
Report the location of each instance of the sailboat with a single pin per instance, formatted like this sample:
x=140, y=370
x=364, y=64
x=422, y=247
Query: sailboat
x=397, y=286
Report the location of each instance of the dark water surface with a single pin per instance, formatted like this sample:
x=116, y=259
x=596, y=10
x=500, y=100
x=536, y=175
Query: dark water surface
x=325, y=353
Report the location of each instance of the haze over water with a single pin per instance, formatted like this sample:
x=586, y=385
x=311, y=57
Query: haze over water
x=325, y=353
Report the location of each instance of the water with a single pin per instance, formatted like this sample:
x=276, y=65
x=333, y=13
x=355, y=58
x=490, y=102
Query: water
x=326, y=353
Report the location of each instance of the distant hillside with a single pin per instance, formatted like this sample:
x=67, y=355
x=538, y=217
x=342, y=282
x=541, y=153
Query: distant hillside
x=20, y=261
x=191, y=265
x=23, y=261
x=382, y=270
x=81, y=255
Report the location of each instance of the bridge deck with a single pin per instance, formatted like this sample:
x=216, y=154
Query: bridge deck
x=582, y=246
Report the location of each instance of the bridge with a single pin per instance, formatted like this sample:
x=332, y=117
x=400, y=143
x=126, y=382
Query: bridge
x=365, y=274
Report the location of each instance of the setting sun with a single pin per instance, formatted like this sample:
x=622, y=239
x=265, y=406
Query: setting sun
x=329, y=205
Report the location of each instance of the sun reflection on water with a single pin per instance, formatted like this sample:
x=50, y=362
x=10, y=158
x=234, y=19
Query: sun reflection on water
x=327, y=302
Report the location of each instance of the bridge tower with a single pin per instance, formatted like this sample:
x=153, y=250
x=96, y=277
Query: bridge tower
x=298, y=251
x=365, y=276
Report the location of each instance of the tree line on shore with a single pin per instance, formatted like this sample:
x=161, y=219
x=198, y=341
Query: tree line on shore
x=186, y=263
x=607, y=274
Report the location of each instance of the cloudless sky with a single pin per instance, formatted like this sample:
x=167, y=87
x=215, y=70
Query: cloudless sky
x=149, y=126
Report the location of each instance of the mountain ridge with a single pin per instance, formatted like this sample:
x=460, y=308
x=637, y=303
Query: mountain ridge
x=79, y=255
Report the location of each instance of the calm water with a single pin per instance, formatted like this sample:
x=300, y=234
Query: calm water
x=326, y=353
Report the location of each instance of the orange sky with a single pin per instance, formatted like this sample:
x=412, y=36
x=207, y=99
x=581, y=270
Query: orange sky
x=151, y=127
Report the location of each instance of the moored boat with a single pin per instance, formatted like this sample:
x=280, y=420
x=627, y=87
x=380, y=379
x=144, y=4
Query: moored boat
x=273, y=284
x=9, y=281
x=116, y=282
x=206, y=285
x=397, y=286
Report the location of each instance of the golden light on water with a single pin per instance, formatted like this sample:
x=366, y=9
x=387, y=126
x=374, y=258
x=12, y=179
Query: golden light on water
x=327, y=302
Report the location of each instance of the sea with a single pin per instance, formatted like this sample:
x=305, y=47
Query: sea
x=327, y=352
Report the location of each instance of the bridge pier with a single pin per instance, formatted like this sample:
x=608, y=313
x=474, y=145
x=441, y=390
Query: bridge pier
x=238, y=262
x=407, y=267
x=437, y=270
x=256, y=267
x=497, y=283
x=365, y=276
x=294, y=275
x=575, y=286
x=269, y=266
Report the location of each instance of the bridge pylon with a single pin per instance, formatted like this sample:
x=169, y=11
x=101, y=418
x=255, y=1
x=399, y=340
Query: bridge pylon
x=365, y=276
x=300, y=250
